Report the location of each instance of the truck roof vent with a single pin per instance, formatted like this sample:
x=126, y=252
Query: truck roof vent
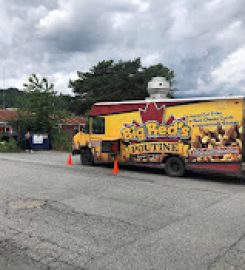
x=158, y=88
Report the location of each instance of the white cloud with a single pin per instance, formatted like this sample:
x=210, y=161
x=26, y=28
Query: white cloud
x=230, y=32
x=203, y=41
x=15, y=82
x=231, y=70
x=120, y=19
x=182, y=26
x=61, y=80
x=150, y=59
x=55, y=19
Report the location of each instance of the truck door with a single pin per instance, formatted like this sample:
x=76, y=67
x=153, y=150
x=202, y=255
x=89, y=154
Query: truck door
x=97, y=134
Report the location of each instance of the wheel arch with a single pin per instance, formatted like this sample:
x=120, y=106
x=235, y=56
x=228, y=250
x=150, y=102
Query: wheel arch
x=173, y=155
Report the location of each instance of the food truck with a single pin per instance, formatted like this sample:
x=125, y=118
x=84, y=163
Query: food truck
x=177, y=134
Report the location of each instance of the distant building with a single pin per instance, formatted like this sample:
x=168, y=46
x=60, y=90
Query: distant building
x=71, y=124
x=6, y=116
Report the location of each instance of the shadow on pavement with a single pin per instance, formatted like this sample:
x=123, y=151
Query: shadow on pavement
x=232, y=179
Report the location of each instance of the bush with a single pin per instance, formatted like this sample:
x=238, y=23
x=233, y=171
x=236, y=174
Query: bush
x=61, y=141
x=9, y=147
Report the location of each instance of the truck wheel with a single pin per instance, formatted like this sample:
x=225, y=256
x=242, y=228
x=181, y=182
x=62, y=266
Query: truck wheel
x=86, y=157
x=174, y=166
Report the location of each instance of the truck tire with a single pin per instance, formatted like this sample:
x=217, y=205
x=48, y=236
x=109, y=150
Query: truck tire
x=175, y=166
x=86, y=157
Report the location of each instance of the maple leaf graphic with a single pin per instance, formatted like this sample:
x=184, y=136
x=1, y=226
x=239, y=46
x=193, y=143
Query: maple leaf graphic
x=152, y=113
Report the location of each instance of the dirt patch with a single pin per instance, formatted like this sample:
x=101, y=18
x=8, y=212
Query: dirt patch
x=26, y=204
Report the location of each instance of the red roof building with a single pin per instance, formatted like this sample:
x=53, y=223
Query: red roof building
x=71, y=123
x=6, y=116
x=68, y=124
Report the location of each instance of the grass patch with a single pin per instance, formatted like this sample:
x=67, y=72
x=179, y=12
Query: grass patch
x=61, y=141
x=9, y=147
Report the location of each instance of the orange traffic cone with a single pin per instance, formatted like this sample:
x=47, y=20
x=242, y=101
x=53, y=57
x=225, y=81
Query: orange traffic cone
x=69, y=160
x=115, y=167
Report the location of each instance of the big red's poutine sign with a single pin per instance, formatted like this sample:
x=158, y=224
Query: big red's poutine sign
x=154, y=136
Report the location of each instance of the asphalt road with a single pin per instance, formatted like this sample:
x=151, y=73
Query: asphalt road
x=58, y=217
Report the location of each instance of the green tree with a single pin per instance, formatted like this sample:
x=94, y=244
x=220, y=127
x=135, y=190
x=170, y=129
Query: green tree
x=40, y=106
x=11, y=97
x=114, y=81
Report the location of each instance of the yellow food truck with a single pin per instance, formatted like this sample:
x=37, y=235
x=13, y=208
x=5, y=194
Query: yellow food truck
x=178, y=134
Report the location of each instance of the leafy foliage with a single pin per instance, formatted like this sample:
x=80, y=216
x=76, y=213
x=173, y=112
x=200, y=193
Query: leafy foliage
x=40, y=106
x=9, y=146
x=61, y=141
x=110, y=81
x=11, y=97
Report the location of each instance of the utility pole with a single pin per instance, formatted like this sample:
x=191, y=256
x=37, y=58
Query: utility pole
x=3, y=88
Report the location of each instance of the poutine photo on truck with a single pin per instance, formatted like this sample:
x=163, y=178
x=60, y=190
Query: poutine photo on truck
x=183, y=134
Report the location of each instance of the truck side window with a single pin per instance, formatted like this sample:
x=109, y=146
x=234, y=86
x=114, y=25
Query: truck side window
x=98, y=125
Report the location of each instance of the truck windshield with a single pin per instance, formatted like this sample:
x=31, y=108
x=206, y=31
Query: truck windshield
x=98, y=125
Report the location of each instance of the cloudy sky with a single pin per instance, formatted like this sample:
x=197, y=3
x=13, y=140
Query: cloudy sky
x=202, y=41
